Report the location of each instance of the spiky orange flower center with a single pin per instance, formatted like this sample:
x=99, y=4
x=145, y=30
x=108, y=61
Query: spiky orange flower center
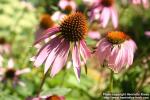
x=116, y=37
x=10, y=73
x=74, y=27
x=107, y=3
x=2, y=40
x=46, y=21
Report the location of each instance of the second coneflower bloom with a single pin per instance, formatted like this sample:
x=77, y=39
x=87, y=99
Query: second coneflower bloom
x=104, y=10
x=45, y=23
x=54, y=54
x=116, y=50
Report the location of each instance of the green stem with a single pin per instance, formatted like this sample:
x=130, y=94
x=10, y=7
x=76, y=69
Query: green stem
x=42, y=83
x=111, y=81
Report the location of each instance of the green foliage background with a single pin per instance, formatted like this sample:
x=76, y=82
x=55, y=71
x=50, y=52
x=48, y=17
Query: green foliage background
x=18, y=24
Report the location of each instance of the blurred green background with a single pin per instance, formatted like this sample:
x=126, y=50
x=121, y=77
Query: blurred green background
x=18, y=23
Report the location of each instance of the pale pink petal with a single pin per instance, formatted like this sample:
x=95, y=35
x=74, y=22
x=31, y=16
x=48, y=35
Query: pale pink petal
x=39, y=33
x=61, y=58
x=10, y=63
x=105, y=16
x=112, y=58
x=47, y=33
x=57, y=16
x=44, y=51
x=84, y=50
x=94, y=35
x=36, y=98
x=88, y=2
x=63, y=3
x=103, y=50
x=23, y=71
x=76, y=61
x=130, y=56
x=114, y=17
x=147, y=33
x=136, y=1
x=2, y=71
x=145, y=3
x=32, y=58
x=53, y=53
x=73, y=4
x=1, y=60
x=120, y=59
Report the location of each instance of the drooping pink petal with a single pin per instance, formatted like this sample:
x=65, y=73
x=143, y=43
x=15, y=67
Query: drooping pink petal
x=112, y=58
x=61, y=58
x=120, y=59
x=47, y=33
x=53, y=53
x=130, y=56
x=103, y=50
x=84, y=50
x=23, y=71
x=114, y=17
x=76, y=61
x=105, y=16
x=45, y=50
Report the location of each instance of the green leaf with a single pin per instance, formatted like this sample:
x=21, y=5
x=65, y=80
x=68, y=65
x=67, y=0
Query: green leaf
x=56, y=91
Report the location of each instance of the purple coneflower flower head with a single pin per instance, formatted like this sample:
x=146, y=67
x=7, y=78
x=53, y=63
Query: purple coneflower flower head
x=45, y=23
x=72, y=31
x=5, y=47
x=67, y=5
x=10, y=73
x=144, y=2
x=104, y=10
x=116, y=50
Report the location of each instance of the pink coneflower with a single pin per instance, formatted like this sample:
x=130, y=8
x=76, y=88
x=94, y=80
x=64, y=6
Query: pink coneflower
x=104, y=10
x=144, y=2
x=10, y=73
x=116, y=50
x=65, y=4
x=72, y=31
x=45, y=23
x=5, y=47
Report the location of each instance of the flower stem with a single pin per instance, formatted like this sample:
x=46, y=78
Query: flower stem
x=42, y=83
x=111, y=81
